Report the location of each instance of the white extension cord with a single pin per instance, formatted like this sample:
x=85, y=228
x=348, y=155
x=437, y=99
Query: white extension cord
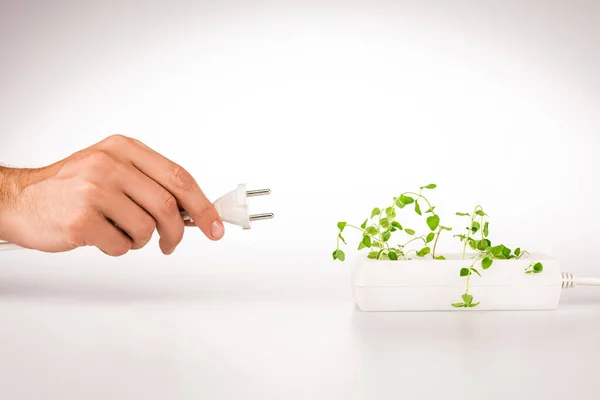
x=570, y=281
x=232, y=208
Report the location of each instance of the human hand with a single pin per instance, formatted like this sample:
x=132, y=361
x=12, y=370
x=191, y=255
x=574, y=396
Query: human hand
x=112, y=195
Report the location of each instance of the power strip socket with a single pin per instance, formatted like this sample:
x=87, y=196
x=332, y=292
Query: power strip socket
x=434, y=285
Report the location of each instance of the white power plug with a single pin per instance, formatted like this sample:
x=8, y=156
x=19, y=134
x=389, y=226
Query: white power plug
x=233, y=207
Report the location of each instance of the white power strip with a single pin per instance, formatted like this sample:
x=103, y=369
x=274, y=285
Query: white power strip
x=434, y=285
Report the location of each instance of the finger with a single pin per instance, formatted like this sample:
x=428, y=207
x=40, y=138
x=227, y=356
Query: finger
x=176, y=180
x=156, y=201
x=108, y=238
x=130, y=218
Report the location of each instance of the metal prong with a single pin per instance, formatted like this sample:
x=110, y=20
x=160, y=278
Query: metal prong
x=258, y=192
x=256, y=217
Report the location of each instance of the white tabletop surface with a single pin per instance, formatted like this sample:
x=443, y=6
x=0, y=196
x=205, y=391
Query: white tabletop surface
x=157, y=332
x=496, y=102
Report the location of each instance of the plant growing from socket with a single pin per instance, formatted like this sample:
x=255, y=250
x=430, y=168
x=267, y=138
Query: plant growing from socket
x=377, y=231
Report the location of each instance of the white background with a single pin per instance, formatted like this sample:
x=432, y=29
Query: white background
x=336, y=107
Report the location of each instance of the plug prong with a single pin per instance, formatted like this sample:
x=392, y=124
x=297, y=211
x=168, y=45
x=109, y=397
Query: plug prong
x=258, y=192
x=256, y=217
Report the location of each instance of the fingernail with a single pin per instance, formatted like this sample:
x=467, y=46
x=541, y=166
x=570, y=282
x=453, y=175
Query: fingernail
x=217, y=230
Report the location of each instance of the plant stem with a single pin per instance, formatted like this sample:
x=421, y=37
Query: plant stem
x=530, y=259
x=469, y=275
x=420, y=196
x=436, y=242
x=363, y=231
x=470, y=230
x=410, y=251
x=381, y=234
x=412, y=240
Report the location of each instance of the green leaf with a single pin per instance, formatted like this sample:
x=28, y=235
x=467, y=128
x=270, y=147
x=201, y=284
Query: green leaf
x=361, y=245
x=482, y=245
x=431, y=210
x=376, y=244
x=433, y=222
x=486, y=263
x=385, y=223
x=475, y=270
x=476, y=227
x=409, y=231
x=446, y=228
x=334, y=255
x=371, y=230
x=373, y=255
x=486, y=229
x=392, y=255
x=498, y=251
x=390, y=212
x=440, y=258
x=468, y=299
x=461, y=237
x=464, y=271
x=400, y=204
x=517, y=251
x=458, y=305
x=397, y=225
x=430, y=186
x=386, y=236
x=364, y=224
x=430, y=238
x=473, y=305
x=506, y=252
x=460, y=214
x=537, y=268
x=367, y=241
x=341, y=226
x=376, y=211
x=473, y=244
x=480, y=213
x=418, y=208
x=341, y=237
x=406, y=199
x=424, y=251
x=339, y=254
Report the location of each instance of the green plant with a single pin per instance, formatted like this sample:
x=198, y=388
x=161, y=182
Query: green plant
x=485, y=252
x=377, y=230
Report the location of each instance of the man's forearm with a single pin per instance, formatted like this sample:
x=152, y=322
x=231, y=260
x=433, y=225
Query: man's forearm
x=6, y=193
x=7, y=183
x=12, y=181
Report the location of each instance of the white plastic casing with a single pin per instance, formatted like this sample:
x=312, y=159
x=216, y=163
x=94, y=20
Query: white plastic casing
x=233, y=207
x=433, y=285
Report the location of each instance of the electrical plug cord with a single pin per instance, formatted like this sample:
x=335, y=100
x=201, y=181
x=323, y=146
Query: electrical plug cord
x=569, y=281
x=232, y=207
